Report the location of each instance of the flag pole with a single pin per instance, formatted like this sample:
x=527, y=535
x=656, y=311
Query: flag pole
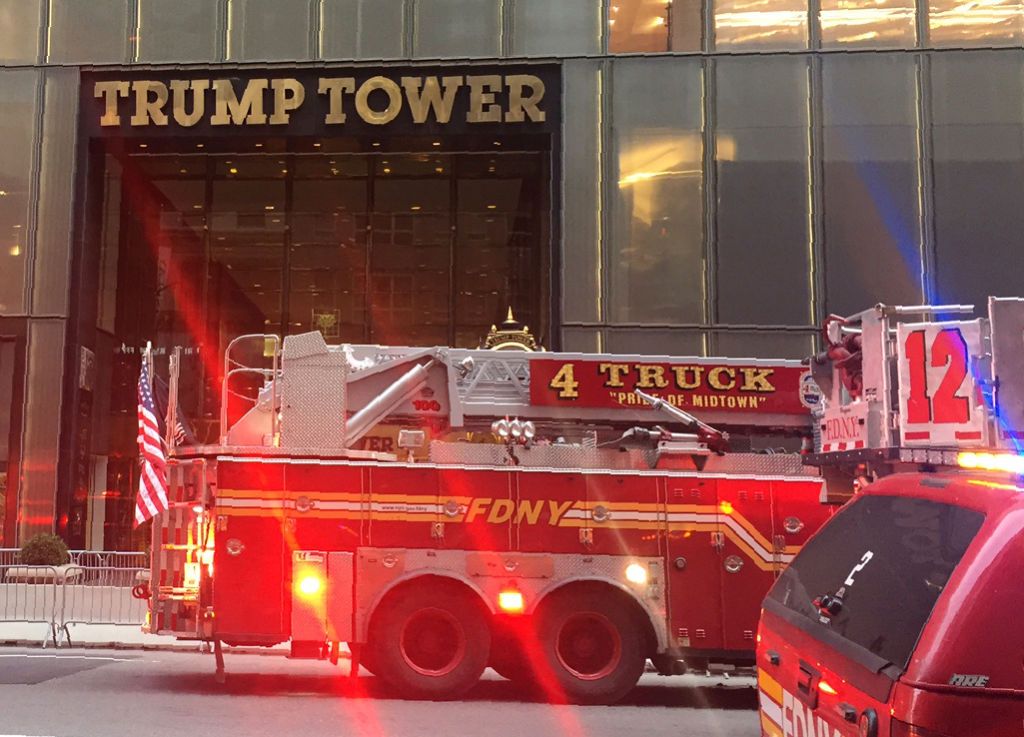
x=148, y=358
x=171, y=423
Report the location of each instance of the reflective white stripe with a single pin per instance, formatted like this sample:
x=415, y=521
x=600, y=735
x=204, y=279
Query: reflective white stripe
x=156, y=453
x=146, y=495
x=257, y=503
x=627, y=516
x=158, y=487
x=251, y=503
x=150, y=431
x=736, y=527
x=768, y=556
x=770, y=709
x=333, y=505
x=406, y=507
x=658, y=473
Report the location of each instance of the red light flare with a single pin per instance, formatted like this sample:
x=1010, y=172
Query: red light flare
x=186, y=288
x=519, y=629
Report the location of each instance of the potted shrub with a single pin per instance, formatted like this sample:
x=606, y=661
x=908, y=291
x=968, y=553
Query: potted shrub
x=43, y=550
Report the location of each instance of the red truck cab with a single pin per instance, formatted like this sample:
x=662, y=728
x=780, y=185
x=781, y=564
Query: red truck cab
x=899, y=617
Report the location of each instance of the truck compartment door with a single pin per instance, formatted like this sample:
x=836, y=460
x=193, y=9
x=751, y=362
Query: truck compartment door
x=694, y=569
x=322, y=596
x=747, y=558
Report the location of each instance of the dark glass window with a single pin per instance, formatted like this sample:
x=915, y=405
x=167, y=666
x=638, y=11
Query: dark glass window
x=327, y=257
x=7, y=480
x=978, y=111
x=410, y=260
x=178, y=30
x=457, y=28
x=82, y=31
x=558, y=28
x=19, y=31
x=581, y=219
x=762, y=344
x=424, y=248
x=761, y=151
x=649, y=342
x=656, y=264
x=270, y=29
x=872, y=233
x=17, y=114
x=899, y=553
x=362, y=29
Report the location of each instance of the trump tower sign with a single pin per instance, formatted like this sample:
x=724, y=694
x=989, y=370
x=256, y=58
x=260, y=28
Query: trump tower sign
x=319, y=101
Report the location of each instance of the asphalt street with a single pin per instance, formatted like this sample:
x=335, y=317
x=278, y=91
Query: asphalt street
x=121, y=693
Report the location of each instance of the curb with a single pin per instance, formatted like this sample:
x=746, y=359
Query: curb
x=186, y=647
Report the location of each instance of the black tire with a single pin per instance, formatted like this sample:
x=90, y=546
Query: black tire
x=430, y=641
x=367, y=656
x=593, y=647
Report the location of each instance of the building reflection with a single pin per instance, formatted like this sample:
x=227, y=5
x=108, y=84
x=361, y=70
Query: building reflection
x=651, y=26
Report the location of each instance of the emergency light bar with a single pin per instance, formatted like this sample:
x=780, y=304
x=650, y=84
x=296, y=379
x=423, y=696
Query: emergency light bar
x=1006, y=462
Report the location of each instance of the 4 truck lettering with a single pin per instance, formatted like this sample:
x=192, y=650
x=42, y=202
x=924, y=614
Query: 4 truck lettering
x=628, y=376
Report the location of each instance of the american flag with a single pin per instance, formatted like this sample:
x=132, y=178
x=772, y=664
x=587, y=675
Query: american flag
x=152, y=498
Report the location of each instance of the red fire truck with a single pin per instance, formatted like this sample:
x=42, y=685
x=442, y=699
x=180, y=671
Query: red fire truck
x=559, y=517
x=897, y=618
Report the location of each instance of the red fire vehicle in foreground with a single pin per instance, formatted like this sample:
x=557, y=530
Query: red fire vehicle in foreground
x=442, y=510
x=897, y=617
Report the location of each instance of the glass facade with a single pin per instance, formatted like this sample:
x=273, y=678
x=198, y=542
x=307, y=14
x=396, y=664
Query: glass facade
x=722, y=180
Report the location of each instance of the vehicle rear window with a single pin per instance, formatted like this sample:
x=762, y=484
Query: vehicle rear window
x=888, y=558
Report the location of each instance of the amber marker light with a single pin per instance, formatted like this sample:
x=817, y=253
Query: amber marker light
x=826, y=687
x=511, y=601
x=310, y=585
x=1005, y=462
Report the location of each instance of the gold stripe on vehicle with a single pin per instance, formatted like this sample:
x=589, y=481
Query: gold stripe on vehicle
x=770, y=686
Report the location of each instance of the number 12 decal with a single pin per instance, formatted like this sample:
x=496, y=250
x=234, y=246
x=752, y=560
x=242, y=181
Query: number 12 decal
x=945, y=407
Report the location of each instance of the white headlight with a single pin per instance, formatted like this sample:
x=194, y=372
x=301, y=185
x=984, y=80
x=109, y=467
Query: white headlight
x=636, y=573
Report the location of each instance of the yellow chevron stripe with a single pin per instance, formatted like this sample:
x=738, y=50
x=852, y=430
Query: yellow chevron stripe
x=625, y=524
x=770, y=728
x=627, y=506
x=770, y=686
x=762, y=554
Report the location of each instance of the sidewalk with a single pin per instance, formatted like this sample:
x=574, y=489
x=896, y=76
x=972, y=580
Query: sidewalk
x=88, y=635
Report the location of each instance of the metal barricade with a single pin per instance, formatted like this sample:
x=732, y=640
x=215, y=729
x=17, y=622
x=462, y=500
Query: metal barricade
x=31, y=595
x=95, y=588
x=109, y=559
x=10, y=556
x=100, y=595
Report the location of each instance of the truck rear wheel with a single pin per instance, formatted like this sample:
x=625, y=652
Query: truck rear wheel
x=367, y=658
x=593, y=647
x=431, y=642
